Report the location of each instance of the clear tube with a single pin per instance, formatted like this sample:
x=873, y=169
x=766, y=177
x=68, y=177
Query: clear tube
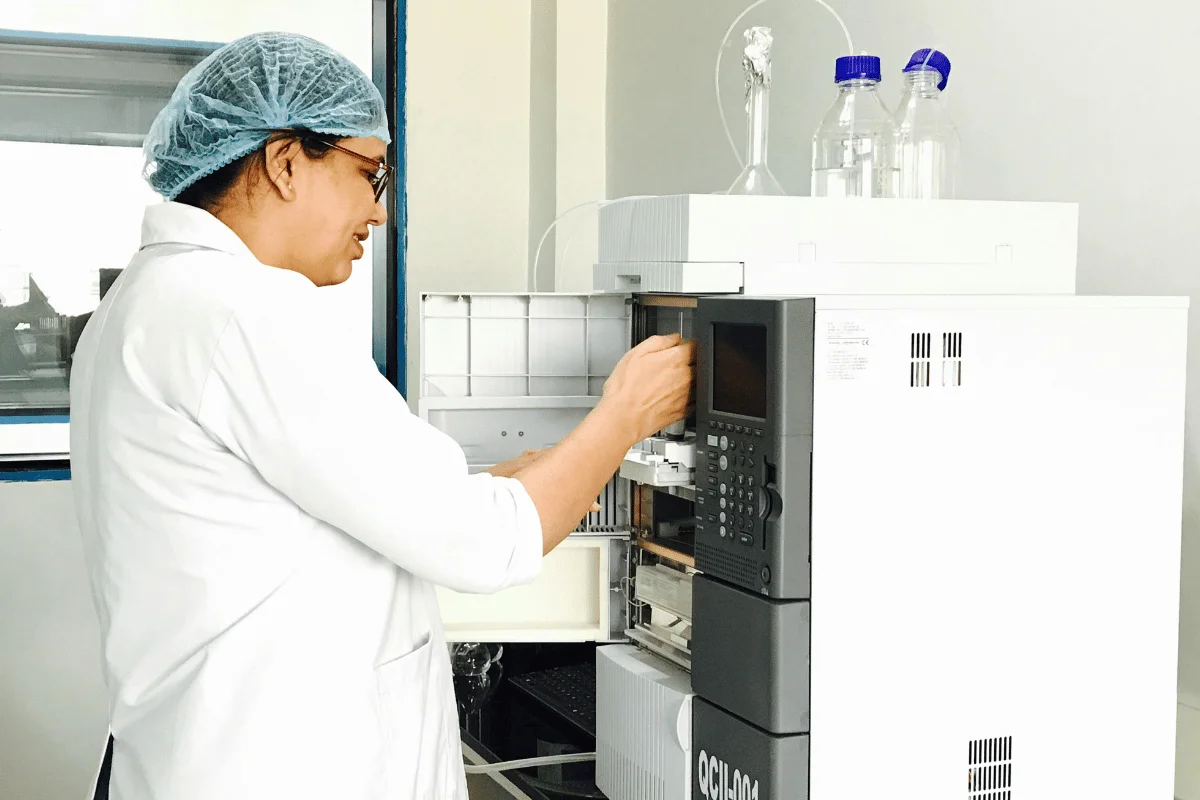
x=533, y=270
x=721, y=50
x=524, y=763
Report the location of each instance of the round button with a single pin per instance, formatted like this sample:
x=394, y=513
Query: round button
x=724, y=462
x=721, y=516
x=722, y=502
x=722, y=531
x=724, y=443
x=724, y=489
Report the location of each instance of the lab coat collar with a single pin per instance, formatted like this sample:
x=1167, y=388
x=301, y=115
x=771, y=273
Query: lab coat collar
x=177, y=223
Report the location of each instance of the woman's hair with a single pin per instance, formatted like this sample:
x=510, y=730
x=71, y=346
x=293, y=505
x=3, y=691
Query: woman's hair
x=210, y=192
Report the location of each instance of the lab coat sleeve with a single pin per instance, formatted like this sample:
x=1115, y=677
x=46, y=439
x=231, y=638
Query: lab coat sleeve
x=324, y=428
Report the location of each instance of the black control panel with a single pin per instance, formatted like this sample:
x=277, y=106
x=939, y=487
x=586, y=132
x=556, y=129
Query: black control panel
x=754, y=447
x=734, y=497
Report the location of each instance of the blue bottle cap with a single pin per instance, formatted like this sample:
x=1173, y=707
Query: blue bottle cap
x=851, y=68
x=927, y=58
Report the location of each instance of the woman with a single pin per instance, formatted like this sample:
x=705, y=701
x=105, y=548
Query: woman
x=264, y=519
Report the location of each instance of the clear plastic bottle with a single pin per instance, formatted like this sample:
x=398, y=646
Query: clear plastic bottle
x=853, y=149
x=927, y=142
x=756, y=178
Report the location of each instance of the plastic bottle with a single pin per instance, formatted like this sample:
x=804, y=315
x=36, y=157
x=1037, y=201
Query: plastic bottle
x=927, y=142
x=853, y=149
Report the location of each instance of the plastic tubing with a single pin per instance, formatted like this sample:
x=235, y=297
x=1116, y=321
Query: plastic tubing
x=533, y=270
x=523, y=763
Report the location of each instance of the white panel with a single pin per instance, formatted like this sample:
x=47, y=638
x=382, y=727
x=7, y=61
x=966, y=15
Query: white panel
x=668, y=277
x=1001, y=557
x=569, y=601
x=643, y=726
x=495, y=429
x=513, y=345
x=1029, y=248
x=766, y=279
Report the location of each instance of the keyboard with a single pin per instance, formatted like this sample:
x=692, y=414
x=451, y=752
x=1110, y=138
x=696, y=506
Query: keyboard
x=568, y=691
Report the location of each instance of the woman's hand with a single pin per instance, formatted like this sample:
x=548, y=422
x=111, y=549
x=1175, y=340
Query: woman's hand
x=651, y=386
x=649, y=389
x=506, y=469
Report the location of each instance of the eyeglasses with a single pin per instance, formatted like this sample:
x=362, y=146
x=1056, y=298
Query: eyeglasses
x=383, y=172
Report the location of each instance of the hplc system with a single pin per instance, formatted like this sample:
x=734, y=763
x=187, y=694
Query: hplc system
x=920, y=537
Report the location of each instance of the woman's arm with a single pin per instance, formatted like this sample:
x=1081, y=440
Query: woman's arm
x=507, y=469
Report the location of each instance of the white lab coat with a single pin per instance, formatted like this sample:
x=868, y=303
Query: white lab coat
x=264, y=522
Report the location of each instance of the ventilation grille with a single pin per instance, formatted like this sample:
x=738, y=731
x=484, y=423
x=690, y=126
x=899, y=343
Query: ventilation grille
x=736, y=569
x=611, y=518
x=952, y=359
x=634, y=760
x=920, y=360
x=990, y=769
x=920, y=347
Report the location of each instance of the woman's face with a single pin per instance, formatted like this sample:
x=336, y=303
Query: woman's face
x=333, y=210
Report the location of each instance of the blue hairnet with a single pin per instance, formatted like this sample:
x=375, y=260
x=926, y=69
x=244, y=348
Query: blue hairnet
x=229, y=104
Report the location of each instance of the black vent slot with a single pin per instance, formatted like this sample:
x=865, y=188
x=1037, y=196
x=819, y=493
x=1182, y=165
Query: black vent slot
x=989, y=763
x=609, y=518
x=952, y=344
x=920, y=353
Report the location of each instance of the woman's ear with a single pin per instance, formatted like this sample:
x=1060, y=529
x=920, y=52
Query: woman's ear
x=279, y=158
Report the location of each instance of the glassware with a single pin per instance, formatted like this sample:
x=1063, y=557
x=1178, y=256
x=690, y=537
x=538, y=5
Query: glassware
x=927, y=143
x=853, y=147
x=756, y=177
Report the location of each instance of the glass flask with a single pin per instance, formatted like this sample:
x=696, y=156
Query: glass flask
x=756, y=177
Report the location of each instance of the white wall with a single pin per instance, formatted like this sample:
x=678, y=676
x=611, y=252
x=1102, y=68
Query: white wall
x=1055, y=100
x=468, y=99
x=505, y=131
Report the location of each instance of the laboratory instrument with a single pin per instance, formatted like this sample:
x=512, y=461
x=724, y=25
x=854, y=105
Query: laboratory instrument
x=927, y=141
x=852, y=147
x=910, y=588
x=756, y=177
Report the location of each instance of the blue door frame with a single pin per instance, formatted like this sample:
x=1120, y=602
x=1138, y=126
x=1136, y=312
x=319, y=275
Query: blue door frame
x=390, y=340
